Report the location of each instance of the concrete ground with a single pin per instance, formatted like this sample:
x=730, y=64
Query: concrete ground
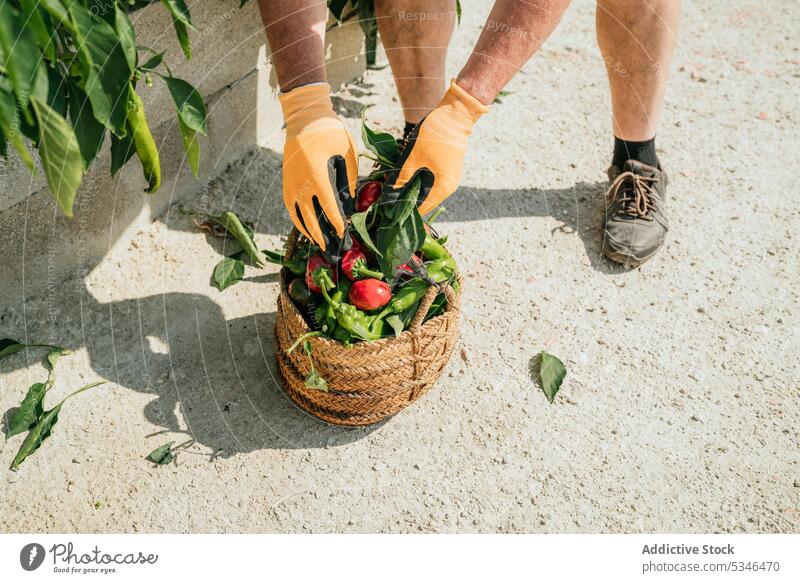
x=680, y=411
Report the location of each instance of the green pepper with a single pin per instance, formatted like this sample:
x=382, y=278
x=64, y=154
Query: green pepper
x=442, y=266
x=143, y=141
x=442, y=269
x=406, y=300
x=409, y=294
x=326, y=317
x=348, y=317
x=432, y=249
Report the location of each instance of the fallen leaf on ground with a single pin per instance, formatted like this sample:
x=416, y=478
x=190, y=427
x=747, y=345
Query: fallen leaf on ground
x=551, y=372
x=162, y=455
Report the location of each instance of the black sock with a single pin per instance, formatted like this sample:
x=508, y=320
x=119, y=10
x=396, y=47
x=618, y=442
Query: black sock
x=407, y=129
x=642, y=151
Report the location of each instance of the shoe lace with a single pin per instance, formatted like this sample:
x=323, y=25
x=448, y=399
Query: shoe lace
x=636, y=193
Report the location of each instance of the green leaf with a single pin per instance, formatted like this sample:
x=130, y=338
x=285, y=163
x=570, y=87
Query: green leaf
x=501, y=95
x=382, y=144
x=551, y=372
x=235, y=227
x=127, y=36
x=398, y=242
x=315, y=381
x=228, y=272
x=40, y=25
x=89, y=132
x=104, y=66
x=405, y=205
x=43, y=427
x=179, y=11
x=458, y=11
x=56, y=9
x=102, y=8
x=162, y=455
x=153, y=61
x=61, y=156
x=396, y=323
x=190, y=146
x=40, y=87
x=55, y=353
x=10, y=123
x=56, y=90
x=359, y=221
x=183, y=37
x=122, y=149
x=30, y=409
x=41, y=430
x=9, y=346
x=18, y=46
x=191, y=108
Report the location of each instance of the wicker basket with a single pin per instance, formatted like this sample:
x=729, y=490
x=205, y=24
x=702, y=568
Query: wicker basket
x=367, y=381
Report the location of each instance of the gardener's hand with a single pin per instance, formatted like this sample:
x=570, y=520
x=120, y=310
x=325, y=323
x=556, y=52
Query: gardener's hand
x=436, y=147
x=320, y=167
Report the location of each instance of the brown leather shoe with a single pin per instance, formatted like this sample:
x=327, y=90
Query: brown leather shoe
x=635, y=224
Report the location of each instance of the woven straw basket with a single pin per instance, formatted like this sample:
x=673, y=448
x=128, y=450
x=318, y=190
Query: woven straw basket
x=367, y=381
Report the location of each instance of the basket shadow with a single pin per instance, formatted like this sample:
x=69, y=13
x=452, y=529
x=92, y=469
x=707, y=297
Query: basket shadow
x=210, y=378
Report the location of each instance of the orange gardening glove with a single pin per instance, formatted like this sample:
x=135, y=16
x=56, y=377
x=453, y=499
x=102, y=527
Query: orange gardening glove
x=435, y=148
x=320, y=166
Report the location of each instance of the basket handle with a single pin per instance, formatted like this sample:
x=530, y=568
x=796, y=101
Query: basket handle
x=425, y=305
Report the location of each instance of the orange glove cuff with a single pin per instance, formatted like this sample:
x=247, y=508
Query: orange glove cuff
x=306, y=106
x=463, y=105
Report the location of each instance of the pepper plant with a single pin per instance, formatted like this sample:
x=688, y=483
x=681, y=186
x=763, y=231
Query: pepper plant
x=71, y=74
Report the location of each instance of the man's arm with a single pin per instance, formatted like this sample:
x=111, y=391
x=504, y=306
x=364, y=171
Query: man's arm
x=435, y=149
x=296, y=35
x=513, y=32
x=320, y=165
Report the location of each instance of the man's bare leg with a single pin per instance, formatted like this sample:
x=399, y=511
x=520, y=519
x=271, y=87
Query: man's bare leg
x=415, y=34
x=637, y=40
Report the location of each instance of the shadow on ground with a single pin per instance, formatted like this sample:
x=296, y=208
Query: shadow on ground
x=215, y=379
